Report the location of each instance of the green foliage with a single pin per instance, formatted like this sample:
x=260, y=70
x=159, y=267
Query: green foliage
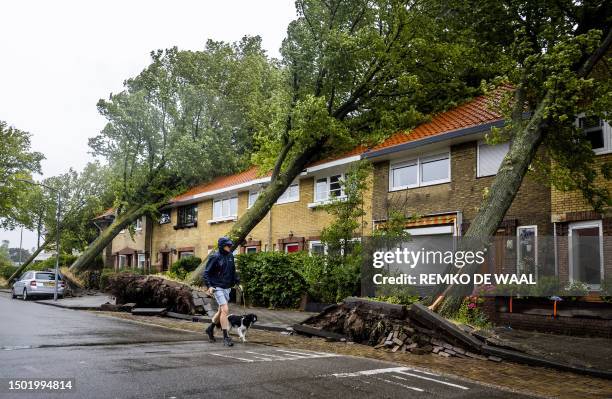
x=64, y=260
x=17, y=161
x=330, y=278
x=6, y=270
x=182, y=267
x=272, y=279
x=471, y=313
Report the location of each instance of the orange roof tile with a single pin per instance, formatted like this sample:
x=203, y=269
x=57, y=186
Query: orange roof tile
x=481, y=110
x=108, y=212
x=221, y=182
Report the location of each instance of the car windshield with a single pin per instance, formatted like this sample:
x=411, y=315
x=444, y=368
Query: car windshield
x=47, y=276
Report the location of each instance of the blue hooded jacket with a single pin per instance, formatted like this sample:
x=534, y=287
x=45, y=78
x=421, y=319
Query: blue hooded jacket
x=220, y=271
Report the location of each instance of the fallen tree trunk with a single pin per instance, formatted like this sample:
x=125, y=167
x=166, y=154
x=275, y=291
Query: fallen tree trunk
x=151, y=292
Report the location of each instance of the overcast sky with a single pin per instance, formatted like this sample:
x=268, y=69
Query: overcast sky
x=59, y=57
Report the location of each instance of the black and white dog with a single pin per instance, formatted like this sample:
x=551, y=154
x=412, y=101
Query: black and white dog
x=242, y=323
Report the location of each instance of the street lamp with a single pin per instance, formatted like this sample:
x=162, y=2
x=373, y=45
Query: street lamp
x=57, y=238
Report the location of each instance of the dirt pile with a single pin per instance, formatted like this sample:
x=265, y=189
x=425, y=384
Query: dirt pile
x=151, y=292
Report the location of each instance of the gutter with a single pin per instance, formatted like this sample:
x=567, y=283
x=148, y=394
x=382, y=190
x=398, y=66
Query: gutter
x=433, y=139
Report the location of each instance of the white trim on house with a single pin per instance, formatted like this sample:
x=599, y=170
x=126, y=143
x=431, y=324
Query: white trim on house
x=331, y=164
x=318, y=243
x=582, y=225
x=231, y=215
x=606, y=131
x=426, y=231
x=419, y=161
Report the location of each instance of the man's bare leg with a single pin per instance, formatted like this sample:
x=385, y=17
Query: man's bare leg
x=224, y=309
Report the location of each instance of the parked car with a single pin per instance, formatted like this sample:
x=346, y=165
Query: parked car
x=37, y=284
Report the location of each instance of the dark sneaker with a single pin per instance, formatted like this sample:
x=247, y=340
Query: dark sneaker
x=210, y=332
x=227, y=341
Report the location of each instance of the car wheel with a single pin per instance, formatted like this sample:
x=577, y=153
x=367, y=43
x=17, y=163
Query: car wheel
x=13, y=295
x=25, y=295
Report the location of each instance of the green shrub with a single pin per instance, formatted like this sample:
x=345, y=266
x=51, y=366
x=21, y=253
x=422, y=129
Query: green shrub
x=182, y=267
x=64, y=260
x=272, y=279
x=7, y=271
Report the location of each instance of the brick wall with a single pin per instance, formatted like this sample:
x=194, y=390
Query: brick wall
x=291, y=222
x=464, y=193
x=566, y=204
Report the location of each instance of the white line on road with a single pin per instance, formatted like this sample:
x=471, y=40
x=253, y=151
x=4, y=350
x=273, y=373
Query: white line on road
x=401, y=385
x=233, y=357
x=434, y=380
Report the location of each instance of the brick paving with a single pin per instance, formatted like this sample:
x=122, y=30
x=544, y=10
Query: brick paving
x=520, y=378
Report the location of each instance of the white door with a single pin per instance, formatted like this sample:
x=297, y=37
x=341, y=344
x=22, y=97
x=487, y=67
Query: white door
x=586, y=253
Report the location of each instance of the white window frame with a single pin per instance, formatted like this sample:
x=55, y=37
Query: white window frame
x=246, y=249
x=222, y=217
x=144, y=261
x=316, y=242
x=285, y=200
x=607, y=135
x=582, y=225
x=124, y=257
x=518, y=247
x=139, y=223
x=327, y=185
x=286, y=246
x=419, y=161
x=480, y=143
x=255, y=194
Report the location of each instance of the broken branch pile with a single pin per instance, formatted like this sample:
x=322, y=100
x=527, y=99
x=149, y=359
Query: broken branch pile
x=151, y=292
x=393, y=327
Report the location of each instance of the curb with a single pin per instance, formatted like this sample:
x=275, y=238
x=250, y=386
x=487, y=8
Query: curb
x=206, y=319
x=57, y=305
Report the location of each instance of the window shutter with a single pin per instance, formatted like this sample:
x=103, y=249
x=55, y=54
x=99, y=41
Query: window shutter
x=490, y=158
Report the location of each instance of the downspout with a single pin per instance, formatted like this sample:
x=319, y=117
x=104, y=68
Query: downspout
x=555, y=248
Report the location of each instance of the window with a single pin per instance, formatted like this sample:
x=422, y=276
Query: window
x=250, y=250
x=225, y=208
x=141, y=261
x=405, y=175
x=586, y=253
x=122, y=261
x=316, y=248
x=187, y=216
x=185, y=254
x=490, y=157
x=435, y=169
x=253, y=197
x=593, y=129
x=291, y=194
x=527, y=249
x=422, y=171
x=164, y=217
x=328, y=187
x=139, y=224
x=289, y=248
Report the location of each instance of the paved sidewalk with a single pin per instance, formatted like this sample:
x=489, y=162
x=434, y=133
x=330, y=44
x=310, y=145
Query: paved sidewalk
x=268, y=319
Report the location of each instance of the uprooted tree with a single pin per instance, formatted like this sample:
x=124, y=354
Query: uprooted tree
x=560, y=54
x=354, y=71
x=83, y=195
x=188, y=117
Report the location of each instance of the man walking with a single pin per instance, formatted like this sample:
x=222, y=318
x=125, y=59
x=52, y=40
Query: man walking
x=220, y=276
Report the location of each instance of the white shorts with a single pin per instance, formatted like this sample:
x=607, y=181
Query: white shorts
x=222, y=295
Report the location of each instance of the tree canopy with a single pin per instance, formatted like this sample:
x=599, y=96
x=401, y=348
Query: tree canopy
x=17, y=162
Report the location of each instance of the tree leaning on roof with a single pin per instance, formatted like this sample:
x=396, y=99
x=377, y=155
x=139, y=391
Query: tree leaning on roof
x=356, y=71
x=553, y=65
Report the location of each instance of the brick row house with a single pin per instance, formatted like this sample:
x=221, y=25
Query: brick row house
x=438, y=171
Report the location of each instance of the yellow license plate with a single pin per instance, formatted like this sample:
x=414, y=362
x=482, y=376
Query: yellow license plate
x=51, y=284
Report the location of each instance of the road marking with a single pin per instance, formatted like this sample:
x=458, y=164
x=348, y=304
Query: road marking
x=434, y=380
x=252, y=356
x=400, y=384
x=399, y=378
x=233, y=357
x=400, y=370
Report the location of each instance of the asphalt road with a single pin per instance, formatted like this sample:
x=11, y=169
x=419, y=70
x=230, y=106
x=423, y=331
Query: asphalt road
x=112, y=358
